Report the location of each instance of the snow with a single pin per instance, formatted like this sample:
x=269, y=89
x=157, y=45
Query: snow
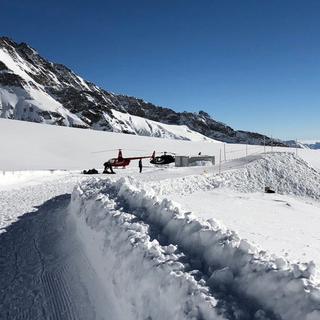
x=116, y=243
x=71, y=148
x=16, y=178
x=83, y=83
x=45, y=147
x=19, y=67
x=261, y=218
x=145, y=127
x=8, y=99
x=45, y=274
x=312, y=144
x=26, y=103
x=201, y=242
x=236, y=197
x=32, y=102
x=224, y=262
x=22, y=192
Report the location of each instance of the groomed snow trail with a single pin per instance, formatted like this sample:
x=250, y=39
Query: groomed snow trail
x=44, y=272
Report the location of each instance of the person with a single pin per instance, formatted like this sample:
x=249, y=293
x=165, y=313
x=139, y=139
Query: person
x=140, y=165
x=108, y=168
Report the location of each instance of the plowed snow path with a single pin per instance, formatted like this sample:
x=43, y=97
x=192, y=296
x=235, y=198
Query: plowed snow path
x=44, y=273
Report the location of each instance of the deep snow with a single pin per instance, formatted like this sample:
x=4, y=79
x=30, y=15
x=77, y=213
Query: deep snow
x=245, y=282
x=261, y=218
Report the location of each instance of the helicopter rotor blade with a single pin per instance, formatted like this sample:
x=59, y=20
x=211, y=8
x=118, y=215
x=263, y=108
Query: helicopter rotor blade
x=100, y=151
x=123, y=149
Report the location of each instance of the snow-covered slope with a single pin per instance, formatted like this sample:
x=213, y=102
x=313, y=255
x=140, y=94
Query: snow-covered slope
x=32, y=146
x=304, y=144
x=124, y=122
x=312, y=144
x=33, y=89
x=22, y=98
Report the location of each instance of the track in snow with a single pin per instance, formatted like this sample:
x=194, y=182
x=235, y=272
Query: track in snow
x=44, y=273
x=234, y=305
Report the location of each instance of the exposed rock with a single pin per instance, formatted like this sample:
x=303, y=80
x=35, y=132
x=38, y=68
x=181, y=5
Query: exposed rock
x=79, y=103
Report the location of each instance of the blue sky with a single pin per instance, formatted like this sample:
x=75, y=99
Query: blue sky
x=253, y=64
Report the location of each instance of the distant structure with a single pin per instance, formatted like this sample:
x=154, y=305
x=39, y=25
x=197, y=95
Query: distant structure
x=186, y=161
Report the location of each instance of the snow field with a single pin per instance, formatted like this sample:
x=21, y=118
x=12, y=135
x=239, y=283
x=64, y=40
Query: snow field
x=283, y=225
x=261, y=287
x=33, y=146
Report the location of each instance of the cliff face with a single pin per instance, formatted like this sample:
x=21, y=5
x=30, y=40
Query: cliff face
x=34, y=89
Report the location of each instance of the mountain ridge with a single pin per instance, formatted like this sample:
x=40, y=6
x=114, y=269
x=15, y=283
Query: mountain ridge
x=35, y=89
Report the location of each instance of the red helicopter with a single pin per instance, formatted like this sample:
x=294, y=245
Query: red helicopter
x=125, y=161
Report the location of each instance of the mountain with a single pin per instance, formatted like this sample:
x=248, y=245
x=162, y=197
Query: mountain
x=311, y=144
x=34, y=89
x=304, y=144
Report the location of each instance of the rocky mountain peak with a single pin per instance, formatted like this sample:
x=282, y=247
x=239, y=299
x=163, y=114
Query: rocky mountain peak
x=34, y=89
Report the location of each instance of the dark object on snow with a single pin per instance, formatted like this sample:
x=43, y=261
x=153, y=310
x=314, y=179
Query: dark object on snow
x=164, y=159
x=140, y=165
x=268, y=190
x=90, y=171
x=108, y=168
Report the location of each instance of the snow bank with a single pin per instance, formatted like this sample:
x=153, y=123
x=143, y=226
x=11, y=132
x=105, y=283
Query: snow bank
x=283, y=172
x=249, y=284
x=146, y=278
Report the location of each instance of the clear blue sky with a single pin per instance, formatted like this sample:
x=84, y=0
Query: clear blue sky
x=254, y=65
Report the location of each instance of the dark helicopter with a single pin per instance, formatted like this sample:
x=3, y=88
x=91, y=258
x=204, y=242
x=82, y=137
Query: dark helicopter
x=163, y=159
